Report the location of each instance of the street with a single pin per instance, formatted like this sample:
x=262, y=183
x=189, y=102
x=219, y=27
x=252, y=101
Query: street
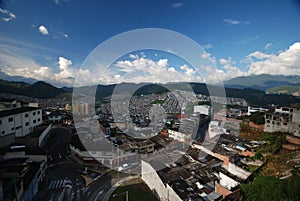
x=64, y=177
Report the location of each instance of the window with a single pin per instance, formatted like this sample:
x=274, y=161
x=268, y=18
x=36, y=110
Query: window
x=18, y=127
x=285, y=124
x=10, y=119
x=27, y=124
x=26, y=115
x=12, y=129
x=33, y=113
x=3, y=132
x=34, y=121
x=39, y=119
x=38, y=112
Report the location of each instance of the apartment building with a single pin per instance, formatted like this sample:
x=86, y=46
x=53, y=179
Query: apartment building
x=18, y=122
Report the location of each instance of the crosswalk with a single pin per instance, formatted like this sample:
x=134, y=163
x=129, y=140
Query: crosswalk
x=55, y=184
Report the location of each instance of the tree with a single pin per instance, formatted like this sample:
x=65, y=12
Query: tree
x=258, y=118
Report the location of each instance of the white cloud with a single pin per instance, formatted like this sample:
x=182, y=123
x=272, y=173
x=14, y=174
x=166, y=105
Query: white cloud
x=60, y=35
x=207, y=46
x=228, y=69
x=132, y=56
x=57, y=2
x=235, y=22
x=43, y=30
x=188, y=71
x=284, y=63
x=257, y=55
x=8, y=15
x=268, y=45
x=65, y=71
x=172, y=69
x=205, y=55
x=177, y=5
x=16, y=61
x=147, y=70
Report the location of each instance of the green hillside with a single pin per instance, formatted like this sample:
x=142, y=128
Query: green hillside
x=292, y=90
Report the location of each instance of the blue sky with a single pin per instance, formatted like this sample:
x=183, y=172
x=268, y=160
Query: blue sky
x=48, y=40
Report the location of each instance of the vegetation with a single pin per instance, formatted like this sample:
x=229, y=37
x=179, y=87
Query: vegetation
x=292, y=90
x=160, y=102
x=271, y=188
x=262, y=82
x=137, y=190
x=252, y=96
x=37, y=90
x=204, y=103
x=258, y=118
x=274, y=142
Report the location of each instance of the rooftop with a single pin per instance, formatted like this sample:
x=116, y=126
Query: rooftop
x=17, y=111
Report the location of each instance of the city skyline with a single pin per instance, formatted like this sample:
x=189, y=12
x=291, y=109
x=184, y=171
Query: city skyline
x=49, y=40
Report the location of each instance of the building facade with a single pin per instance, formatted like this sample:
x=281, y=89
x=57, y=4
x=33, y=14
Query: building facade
x=283, y=119
x=18, y=122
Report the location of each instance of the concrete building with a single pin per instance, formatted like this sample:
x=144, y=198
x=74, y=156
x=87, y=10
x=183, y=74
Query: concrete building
x=18, y=122
x=8, y=104
x=202, y=109
x=283, y=119
x=181, y=137
x=256, y=109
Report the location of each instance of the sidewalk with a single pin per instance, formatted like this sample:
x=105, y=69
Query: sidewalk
x=115, y=186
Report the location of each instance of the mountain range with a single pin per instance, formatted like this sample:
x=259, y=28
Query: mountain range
x=262, y=82
x=260, y=90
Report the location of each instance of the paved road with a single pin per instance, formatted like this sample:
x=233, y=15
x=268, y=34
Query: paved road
x=64, y=179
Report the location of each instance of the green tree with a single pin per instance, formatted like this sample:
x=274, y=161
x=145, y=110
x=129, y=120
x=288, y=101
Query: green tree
x=258, y=118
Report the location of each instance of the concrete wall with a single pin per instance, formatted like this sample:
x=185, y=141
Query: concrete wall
x=239, y=172
x=152, y=179
x=44, y=134
x=227, y=182
x=293, y=139
x=257, y=126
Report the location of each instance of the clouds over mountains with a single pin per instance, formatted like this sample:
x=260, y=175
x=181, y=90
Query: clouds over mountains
x=15, y=62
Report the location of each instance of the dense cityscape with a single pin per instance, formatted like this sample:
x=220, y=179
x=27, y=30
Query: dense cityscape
x=204, y=154
x=140, y=100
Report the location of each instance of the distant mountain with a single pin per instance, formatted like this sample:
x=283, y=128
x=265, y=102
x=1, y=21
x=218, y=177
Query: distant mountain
x=4, y=76
x=38, y=89
x=44, y=90
x=262, y=82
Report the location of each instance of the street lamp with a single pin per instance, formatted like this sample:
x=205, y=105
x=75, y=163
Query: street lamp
x=126, y=192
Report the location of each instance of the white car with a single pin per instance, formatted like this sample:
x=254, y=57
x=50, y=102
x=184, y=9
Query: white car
x=124, y=167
